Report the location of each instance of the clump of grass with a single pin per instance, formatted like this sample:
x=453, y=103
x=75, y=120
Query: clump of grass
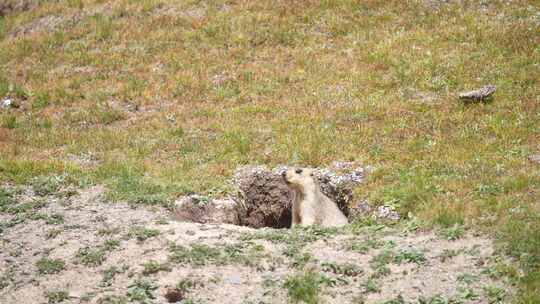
x=6, y=200
x=364, y=246
x=141, y=291
x=41, y=100
x=110, y=245
x=452, y=233
x=467, y=278
x=379, y=262
x=409, y=256
x=9, y=122
x=466, y=293
x=27, y=208
x=522, y=236
x=91, y=256
x=57, y=296
x=47, y=185
x=54, y=219
x=109, y=274
x=370, y=286
x=346, y=269
x=142, y=233
x=50, y=266
x=198, y=254
x=201, y=254
x=494, y=294
x=152, y=267
x=299, y=258
x=95, y=256
x=303, y=288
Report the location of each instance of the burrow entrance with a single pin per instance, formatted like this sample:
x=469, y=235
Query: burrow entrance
x=263, y=199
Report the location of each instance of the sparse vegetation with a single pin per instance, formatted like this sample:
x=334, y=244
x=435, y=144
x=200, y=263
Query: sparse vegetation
x=304, y=288
x=495, y=295
x=50, y=266
x=94, y=256
x=202, y=254
x=152, y=267
x=379, y=262
x=452, y=233
x=141, y=291
x=370, y=285
x=142, y=233
x=109, y=274
x=54, y=297
x=410, y=256
x=47, y=185
x=227, y=83
x=364, y=246
x=346, y=269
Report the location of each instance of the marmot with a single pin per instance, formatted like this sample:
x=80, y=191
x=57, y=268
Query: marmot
x=310, y=205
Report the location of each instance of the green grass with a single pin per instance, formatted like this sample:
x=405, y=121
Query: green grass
x=141, y=291
x=141, y=234
x=109, y=274
x=200, y=254
x=370, y=286
x=57, y=296
x=96, y=255
x=50, y=266
x=303, y=288
x=152, y=267
x=300, y=83
x=409, y=256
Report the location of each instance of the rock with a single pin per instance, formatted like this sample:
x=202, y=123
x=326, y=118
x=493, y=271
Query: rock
x=479, y=94
x=7, y=103
x=387, y=212
x=535, y=158
x=198, y=209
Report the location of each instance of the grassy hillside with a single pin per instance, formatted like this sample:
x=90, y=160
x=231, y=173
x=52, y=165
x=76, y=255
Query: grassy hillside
x=156, y=98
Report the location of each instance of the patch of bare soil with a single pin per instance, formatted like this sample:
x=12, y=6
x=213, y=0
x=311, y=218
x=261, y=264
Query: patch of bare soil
x=83, y=249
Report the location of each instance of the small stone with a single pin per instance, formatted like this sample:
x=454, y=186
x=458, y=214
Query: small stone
x=535, y=158
x=479, y=94
x=7, y=103
x=387, y=212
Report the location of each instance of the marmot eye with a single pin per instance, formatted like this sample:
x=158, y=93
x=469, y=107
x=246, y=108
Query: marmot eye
x=298, y=171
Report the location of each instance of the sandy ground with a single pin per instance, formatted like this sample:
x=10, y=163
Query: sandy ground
x=251, y=268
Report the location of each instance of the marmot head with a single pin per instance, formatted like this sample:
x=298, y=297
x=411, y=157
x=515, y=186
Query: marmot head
x=300, y=178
